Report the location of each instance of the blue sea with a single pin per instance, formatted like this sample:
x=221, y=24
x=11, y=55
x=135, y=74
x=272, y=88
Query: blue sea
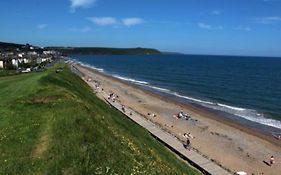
x=248, y=88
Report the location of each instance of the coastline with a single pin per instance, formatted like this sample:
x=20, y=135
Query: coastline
x=219, y=116
x=211, y=127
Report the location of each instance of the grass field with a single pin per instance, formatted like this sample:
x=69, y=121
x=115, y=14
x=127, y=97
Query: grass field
x=51, y=123
x=7, y=72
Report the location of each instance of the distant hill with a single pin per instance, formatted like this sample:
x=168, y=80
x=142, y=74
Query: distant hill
x=88, y=50
x=10, y=46
x=106, y=51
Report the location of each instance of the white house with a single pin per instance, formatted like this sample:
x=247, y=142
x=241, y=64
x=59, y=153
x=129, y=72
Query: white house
x=32, y=53
x=46, y=59
x=23, y=60
x=15, y=62
x=49, y=52
x=43, y=59
x=1, y=64
x=20, y=55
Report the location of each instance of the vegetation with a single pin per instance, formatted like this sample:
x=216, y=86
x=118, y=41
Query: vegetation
x=51, y=123
x=9, y=46
x=5, y=72
x=105, y=51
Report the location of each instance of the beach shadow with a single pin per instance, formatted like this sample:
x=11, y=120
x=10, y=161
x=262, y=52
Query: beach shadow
x=265, y=162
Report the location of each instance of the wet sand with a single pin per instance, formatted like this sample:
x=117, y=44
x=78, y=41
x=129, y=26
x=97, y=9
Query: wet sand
x=233, y=146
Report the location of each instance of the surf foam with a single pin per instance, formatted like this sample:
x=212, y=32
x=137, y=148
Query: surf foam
x=131, y=80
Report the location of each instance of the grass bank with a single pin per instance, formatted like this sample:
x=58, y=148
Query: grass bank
x=51, y=123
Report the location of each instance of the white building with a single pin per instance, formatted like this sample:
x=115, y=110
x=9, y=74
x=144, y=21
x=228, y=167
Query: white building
x=20, y=55
x=32, y=53
x=1, y=64
x=15, y=62
x=23, y=60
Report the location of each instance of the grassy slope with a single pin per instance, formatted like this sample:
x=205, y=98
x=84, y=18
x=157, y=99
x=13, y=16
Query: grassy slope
x=52, y=124
x=4, y=72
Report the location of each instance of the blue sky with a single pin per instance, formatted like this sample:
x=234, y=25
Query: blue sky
x=231, y=27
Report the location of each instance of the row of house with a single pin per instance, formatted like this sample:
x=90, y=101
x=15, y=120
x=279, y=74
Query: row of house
x=22, y=58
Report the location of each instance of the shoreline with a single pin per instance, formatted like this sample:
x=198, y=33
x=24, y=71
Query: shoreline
x=204, y=111
x=213, y=126
x=249, y=117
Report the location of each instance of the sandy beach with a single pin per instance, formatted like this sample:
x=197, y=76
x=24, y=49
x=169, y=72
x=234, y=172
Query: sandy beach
x=229, y=144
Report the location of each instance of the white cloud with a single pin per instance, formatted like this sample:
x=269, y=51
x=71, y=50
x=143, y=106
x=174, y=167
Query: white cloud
x=245, y=28
x=216, y=12
x=41, y=26
x=83, y=29
x=81, y=4
x=267, y=20
x=132, y=21
x=204, y=26
x=103, y=21
x=107, y=21
x=209, y=27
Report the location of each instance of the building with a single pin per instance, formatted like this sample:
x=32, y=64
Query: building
x=15, y=62
x=23, y=60
x=1, y=64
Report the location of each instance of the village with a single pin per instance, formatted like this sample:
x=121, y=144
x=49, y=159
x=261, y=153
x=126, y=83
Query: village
x=26, y=58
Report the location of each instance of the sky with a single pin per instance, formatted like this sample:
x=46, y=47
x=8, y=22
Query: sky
x=218, y=27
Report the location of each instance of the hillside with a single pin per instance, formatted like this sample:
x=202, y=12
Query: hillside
x=106, y=51
x=52, y=123
x=9, y=46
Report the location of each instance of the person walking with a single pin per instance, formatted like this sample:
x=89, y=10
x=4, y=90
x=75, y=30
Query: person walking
x=188, y=144
x=272, y=161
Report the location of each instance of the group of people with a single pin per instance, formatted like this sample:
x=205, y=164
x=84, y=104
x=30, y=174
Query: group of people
x=112, y=97
x=188, y=136
x=152, y=115
x=182, y=115
x=97, y=84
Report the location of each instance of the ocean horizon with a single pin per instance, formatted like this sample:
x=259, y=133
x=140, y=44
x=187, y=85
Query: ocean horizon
x=246, y=87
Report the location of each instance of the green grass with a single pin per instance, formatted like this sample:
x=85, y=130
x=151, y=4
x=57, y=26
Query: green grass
x=51, y=123
x=4, y=72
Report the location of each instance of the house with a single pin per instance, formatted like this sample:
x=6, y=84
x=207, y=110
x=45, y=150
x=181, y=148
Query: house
x=23, y=60
x=32, y=53
x=49, y=52
x=1, y=64
x=43, y=59
x=20, y=55
x=15, y=62
x=39, y=60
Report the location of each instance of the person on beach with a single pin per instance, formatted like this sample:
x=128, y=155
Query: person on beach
x=123, y=108
x=188, y=144
x=272, y=161
x=188, y=135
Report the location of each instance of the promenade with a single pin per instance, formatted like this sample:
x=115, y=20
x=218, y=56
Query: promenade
x=203, y=164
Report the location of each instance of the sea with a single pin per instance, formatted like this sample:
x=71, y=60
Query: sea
x=246, y=90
